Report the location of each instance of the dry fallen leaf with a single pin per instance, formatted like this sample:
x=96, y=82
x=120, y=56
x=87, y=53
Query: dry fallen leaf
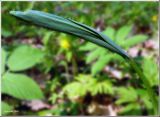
x=36, y=105
x=98, y=109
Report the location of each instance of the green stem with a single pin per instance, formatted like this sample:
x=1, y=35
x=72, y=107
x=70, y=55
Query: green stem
x=146, y=84
x=74, y=68
x=67, y=72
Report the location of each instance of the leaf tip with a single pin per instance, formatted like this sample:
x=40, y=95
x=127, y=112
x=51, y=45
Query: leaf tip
x=13, y=12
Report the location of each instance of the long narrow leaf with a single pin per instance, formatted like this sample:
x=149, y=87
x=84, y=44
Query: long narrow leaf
x=69, y=26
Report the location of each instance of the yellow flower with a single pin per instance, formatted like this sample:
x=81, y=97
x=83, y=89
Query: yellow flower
x=64, y=43
x=154, y=18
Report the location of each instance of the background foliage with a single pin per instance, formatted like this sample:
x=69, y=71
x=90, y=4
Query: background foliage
x=50, y=73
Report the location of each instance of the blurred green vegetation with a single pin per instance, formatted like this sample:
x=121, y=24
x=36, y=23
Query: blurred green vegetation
x=74, y=77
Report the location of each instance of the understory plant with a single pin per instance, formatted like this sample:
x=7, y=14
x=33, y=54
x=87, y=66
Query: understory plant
x=19, y=85
x=74, y=28
x=90, y=85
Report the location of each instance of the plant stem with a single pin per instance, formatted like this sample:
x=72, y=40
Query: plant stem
x=67, y=72
x=146, y=83
x=74, y=67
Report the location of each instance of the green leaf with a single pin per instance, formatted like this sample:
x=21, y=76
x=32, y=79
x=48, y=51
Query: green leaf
x=46, y=38
x=24, y=57
x=6, y=108
x=88, y=47
x=93, y=55
x=134, y=40
x=110, y=32
x=74, y=90
x=69, y=26
x=126, y=95
x=150, y=70
x=123, y=33
x=69, y=55
x=102, y=87
x=130, y=107
x=100, y=63
x=4, y=56
x=20, y=86
x=145, y=98
x=6, y=33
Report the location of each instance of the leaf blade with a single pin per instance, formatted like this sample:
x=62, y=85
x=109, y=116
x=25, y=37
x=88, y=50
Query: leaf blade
x=24, y=57
x=20, y=86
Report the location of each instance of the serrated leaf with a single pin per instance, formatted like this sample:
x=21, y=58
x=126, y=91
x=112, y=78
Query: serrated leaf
x=85, y=79
x=122, y=33
x=134, y=40
x=24, y=57
x=4, y=56
x=6, y=108
x=20, y=86
x=107, y=87
x=74, y=90
x=102, y=87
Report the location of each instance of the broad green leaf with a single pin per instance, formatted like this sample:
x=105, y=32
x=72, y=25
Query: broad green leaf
x=110, y=32
x=123, y=33
x=100, y=64
x=4, y=56
x=24, y=57
x=6, y=108
x=20, y=86
x=134, y=40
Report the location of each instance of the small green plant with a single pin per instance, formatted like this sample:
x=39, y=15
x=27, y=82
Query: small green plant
x=19, y=85
x=85, y=84
x=102, y=57
x=135, y=100
x=72, y=27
